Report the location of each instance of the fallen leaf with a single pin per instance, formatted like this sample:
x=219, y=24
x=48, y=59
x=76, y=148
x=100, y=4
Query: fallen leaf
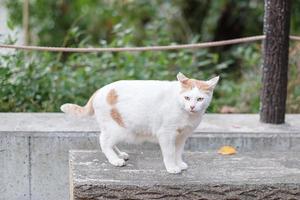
x=227, y=150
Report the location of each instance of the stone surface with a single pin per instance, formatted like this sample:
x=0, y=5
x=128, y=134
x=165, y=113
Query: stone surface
x=212, y=123
x=14, y=168
x=49, y=166
x=34, y=146
x=210, y=176
x=243, y=131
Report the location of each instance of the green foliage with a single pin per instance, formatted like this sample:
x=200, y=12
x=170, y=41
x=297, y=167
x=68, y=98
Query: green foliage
x=293, y=93
x=37, y=81
x=41, y=82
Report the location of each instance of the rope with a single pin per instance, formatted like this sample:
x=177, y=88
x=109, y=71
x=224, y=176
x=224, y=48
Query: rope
x=150, y=48
x=293, y=37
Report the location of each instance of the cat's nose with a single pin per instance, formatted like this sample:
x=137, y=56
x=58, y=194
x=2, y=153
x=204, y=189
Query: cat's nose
x=192, y=107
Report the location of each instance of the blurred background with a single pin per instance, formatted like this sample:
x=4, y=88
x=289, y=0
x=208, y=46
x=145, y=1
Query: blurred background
x=42, y=81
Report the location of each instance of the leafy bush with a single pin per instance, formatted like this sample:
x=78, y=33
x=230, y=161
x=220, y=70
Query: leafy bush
x=42, y=81
x=38, y=81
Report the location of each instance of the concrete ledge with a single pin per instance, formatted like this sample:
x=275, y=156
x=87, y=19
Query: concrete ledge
x=210, y=176
x=35, y=123
x=244, y=131
x=35, y=146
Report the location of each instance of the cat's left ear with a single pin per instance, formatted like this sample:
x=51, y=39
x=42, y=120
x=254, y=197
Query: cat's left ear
x=213, y=82
x=182, y=78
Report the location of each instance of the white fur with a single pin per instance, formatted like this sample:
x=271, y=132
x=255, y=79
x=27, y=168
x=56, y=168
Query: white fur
x=153, y=111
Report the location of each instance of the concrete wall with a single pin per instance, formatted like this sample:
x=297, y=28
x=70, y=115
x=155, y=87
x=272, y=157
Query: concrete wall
x=35, y=154
x=34, y=147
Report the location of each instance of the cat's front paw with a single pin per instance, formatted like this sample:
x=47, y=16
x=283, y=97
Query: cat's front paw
x=174, y=170
x=124, y=155
x=118, y=162
x=183, y=165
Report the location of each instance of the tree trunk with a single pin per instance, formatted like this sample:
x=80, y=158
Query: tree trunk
x=275, y=63
x=26, y=22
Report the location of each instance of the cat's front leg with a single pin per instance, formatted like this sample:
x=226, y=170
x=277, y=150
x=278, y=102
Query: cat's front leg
x=180, y=142
x=167, y=145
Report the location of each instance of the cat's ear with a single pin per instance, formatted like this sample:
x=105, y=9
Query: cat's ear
x=213, y=82
x=181, y=77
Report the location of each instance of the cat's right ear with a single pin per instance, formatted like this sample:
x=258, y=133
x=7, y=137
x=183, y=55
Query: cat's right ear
x=182, y=78
x=213, y=82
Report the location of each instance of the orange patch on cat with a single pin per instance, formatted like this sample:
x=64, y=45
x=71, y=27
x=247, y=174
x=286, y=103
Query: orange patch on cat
x=112, y=97
x=186, y=86
x=116, y=116
x=191, y=83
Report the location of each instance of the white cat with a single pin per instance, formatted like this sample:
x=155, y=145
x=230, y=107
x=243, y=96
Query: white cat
x=135, y=111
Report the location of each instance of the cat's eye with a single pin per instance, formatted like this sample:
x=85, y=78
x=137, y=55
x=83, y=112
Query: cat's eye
x=200, y=99
x=187, y=98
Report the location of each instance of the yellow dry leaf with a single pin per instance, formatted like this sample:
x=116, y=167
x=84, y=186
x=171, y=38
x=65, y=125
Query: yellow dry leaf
x=227, y=150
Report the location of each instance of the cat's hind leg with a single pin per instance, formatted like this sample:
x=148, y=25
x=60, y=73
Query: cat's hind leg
x=107, y=142
x=121, y=154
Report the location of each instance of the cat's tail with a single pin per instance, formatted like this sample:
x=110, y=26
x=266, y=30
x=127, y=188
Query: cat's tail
x=77, y=110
